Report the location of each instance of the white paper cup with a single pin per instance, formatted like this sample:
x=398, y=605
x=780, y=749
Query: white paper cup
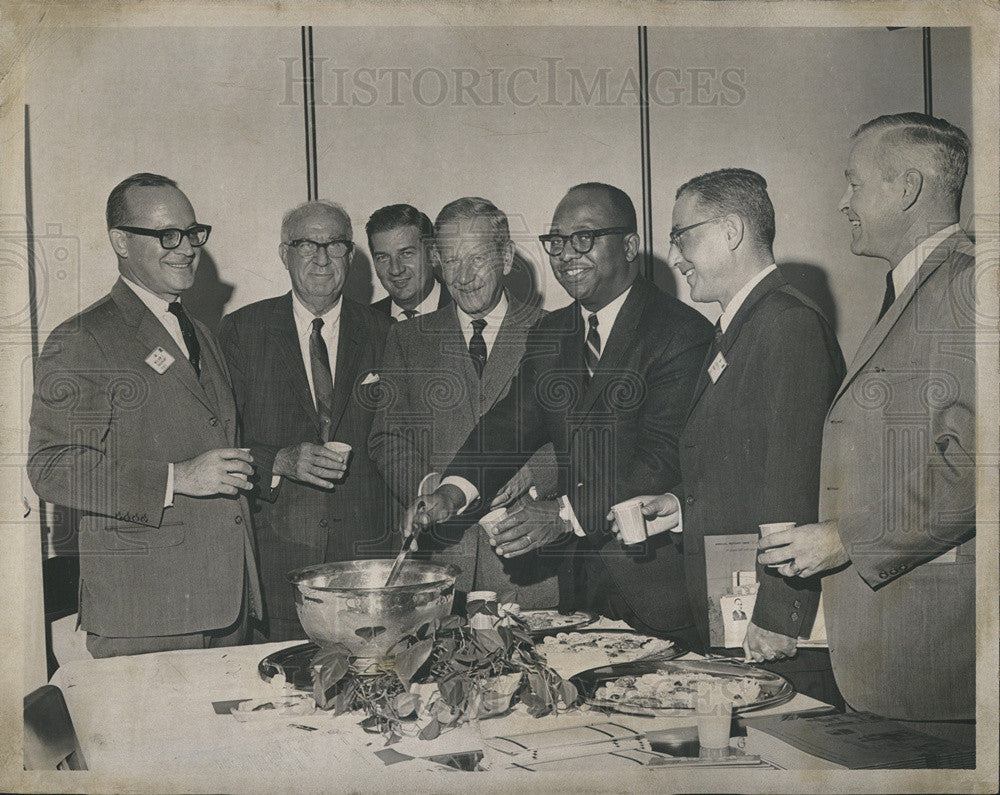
x=775, y=527
x=490, y=521
x=343, y=448
x=631, y=522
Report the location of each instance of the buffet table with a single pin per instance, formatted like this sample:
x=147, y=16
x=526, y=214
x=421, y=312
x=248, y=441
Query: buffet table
x=149, y=719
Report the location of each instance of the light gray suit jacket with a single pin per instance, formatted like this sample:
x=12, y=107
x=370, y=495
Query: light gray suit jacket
x=898, y=474
x=431, y=401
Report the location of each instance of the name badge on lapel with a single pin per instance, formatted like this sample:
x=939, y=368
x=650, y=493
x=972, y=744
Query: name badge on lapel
x=159, y=360
x=718, y=364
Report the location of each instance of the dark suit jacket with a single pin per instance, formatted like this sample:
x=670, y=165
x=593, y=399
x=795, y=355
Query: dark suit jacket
x=750, y=449
x=899, y=476
x=434, y=398
x=298, y=524
x=104, y=426
x=384, y=305
x=615, y=436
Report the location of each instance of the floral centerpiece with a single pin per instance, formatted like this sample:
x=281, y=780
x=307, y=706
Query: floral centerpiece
x=443, y=675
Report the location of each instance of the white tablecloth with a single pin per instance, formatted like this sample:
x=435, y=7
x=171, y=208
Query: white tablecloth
x=147, y=722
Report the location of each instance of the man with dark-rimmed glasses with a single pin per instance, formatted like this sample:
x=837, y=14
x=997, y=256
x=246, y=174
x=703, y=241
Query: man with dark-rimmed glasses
x=607, y=380
x=133, y=424
x=302, y=364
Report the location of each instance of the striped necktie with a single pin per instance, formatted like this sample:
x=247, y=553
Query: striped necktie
x=592, y=346
x=319, y=360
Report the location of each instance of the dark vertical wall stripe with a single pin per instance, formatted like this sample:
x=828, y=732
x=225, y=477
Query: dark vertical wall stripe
x=309, y=112
x=647, y=177
x=928, y=98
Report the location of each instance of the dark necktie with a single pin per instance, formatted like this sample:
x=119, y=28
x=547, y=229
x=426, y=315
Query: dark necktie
x=319, y=359
x=187, y=331
x=592, y=346
x=410, y=313
x=718, y=335
x=890, y=295
x=477, y=346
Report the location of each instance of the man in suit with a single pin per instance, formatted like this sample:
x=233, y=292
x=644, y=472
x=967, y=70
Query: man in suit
x=750, y=450
x=133, y=424
x=438, y=385
x=399, y=238
x=607, y=380
x=302, y=364
x=896, y=537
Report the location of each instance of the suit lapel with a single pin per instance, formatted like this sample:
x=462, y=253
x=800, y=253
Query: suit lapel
x=617, y=344
x=506, y=354
x=773, y=281
x=150, y=333
x=453, y=344
x=283, y=336
x=348, y=348
x=880, y=330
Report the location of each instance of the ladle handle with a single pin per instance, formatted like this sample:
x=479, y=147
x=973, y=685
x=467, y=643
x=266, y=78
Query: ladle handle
x=397, y=566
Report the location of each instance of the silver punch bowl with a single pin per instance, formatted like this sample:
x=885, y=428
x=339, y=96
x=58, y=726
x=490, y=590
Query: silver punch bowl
x=348, y=602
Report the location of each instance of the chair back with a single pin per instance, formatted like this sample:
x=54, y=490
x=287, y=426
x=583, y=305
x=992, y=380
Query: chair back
x=50, y=742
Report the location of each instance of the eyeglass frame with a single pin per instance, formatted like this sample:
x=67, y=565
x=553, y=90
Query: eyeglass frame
x=594, y=234
x=161, y=233
x=325, y=246
x=675, y=234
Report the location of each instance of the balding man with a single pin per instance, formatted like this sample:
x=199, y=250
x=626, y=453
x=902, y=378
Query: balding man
x=896, y=538
x=301, y=364
x=133, y=424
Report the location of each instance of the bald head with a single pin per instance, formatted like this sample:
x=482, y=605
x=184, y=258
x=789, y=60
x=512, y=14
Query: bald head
x=319, y=208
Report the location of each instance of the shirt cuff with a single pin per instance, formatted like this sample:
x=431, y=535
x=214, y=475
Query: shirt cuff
x=567, y=514
x=168, y=498
x=275, y=480
x=471, y=492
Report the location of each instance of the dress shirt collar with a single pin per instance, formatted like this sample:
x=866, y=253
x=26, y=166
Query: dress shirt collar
x=156, y=304
x=734, y=306
x=304, y=317
x=428, y=305
x=493, y=319
x=606, y=317
x=908, y=266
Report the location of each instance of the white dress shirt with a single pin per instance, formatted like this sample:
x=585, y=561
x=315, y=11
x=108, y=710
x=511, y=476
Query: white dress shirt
x=492, y=328
x=428, y=305
x=330, y=333
x=908, y=266
x=737, y=301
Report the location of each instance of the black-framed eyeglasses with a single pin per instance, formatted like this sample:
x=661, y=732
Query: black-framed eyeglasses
x=197, y=235
x=582, y=240
x=335, y=249
x=675, y=234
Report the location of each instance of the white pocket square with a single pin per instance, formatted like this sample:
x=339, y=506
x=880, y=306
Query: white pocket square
x=371, y=378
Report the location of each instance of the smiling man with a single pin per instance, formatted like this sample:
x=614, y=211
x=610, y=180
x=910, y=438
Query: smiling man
x=445, y=370
x=399, y=238
x=302, y=364
x=607, y=380
x=133, y=424
x=749, y=453
x=897, y=509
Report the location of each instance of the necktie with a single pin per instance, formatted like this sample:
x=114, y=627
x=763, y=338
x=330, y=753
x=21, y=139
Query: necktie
x=718, y=335
x=410, y=313
x=319, y=360
x=187, y=331
x=477, y=346
x=890, y=295
x=592, y=347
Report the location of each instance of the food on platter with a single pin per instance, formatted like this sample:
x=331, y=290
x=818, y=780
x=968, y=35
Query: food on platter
x=675, y=689
x=544, y=621
x=613, y=643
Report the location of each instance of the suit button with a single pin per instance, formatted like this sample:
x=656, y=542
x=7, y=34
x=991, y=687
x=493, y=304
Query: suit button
x=579, y=485
x=213, y=421
x=239, y=520
x=323, y=523
x=795, y=616
x=797, y=603
x=689, y=499
x=882, y=575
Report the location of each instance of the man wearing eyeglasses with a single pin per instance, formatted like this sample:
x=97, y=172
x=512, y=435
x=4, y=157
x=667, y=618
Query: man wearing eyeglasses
x=441, y=373
x=750, y=450
x=399, y=238
x=133, y=424
x=303, y=365
x=607, y=380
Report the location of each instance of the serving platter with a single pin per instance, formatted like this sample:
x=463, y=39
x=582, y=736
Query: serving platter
x=548, y=622
x=612, y=643
x=669, y=687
